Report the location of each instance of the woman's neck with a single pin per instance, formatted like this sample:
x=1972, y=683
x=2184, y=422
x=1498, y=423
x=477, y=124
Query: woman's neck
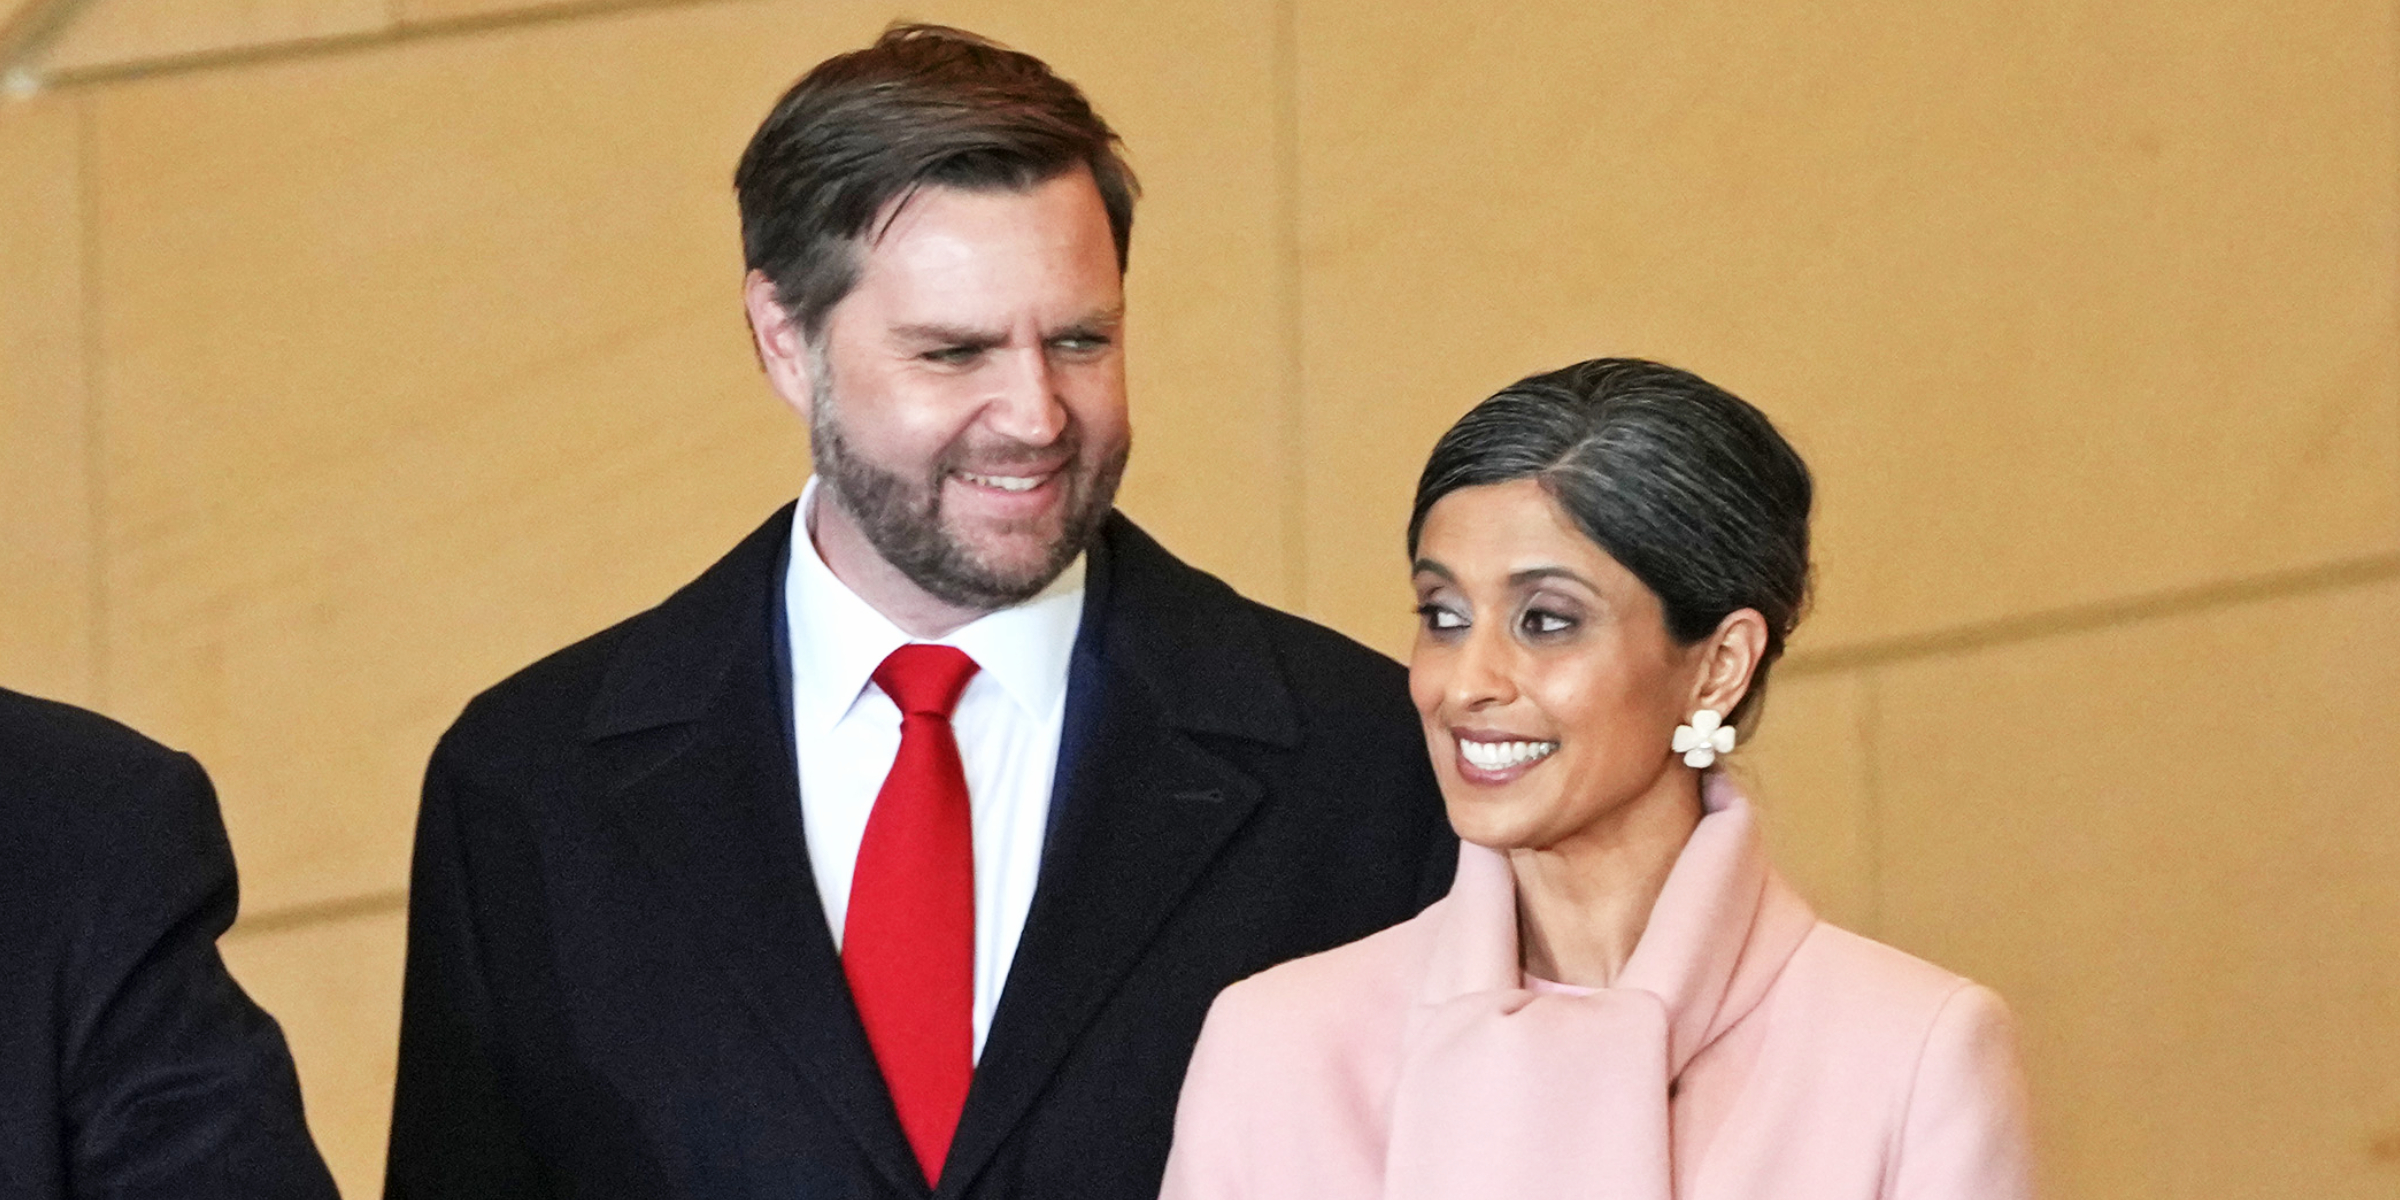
x=1583, y=902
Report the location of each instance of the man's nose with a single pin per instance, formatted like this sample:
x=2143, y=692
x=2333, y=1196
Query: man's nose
x=1025, y=407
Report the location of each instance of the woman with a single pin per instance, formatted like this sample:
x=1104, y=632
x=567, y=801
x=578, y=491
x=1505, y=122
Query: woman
x=1618, y=998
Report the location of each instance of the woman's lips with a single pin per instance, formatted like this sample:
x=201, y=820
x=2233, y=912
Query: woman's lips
x=1493, y=757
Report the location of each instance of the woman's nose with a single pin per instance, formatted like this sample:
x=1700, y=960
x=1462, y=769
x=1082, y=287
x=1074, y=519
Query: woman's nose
x=1484, y=674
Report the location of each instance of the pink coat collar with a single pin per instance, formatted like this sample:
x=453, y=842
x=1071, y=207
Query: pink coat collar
x=1721, y=931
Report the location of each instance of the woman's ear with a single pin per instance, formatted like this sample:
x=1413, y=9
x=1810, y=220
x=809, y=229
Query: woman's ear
x=1729, y=657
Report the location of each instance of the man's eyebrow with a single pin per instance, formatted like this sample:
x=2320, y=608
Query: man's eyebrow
x=948, y=335
x=935, y=334
x=1107, y=318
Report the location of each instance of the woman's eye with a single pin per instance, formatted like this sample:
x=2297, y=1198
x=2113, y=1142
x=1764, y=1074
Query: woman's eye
x=1543, y=621
x=1437, y=617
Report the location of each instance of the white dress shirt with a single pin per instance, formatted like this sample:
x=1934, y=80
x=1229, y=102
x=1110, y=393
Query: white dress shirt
x=847, y=732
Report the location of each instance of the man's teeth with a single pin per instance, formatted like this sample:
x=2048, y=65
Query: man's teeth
x=1006, y=483
x=1500, y=756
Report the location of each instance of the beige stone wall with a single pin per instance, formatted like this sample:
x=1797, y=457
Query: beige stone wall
x=354, y=352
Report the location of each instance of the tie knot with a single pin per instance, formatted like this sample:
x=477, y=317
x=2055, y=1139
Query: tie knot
x=925, y=680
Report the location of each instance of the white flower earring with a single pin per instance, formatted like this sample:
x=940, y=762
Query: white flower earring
x=1704, y=739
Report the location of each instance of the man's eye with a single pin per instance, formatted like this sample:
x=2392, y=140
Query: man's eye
x=1080, y=343
x=1437, y=617
x=950, y=355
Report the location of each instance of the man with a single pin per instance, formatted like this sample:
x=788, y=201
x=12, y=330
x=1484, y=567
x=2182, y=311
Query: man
x=903, y=851
x=131, y=1064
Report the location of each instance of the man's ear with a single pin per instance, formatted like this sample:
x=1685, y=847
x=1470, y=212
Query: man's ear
x=1730, y=657
x=782, y=349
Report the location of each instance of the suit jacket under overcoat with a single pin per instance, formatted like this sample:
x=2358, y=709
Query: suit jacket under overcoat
x=621, y=984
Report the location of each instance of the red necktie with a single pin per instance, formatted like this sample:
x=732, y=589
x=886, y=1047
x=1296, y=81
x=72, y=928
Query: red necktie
x=908, y=945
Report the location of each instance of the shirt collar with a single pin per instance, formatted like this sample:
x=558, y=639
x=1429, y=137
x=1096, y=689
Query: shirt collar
x=838, y=639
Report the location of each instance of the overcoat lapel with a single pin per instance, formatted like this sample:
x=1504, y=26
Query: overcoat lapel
x=695, y=756
x=696, y=747
x=1141, y=809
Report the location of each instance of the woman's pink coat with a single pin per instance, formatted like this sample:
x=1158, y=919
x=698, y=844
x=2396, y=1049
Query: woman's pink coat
x=1748, y=1050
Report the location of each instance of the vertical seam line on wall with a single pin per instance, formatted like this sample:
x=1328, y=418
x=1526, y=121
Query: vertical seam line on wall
x=1292, y=405
x=95, y=423
x=1870, y=735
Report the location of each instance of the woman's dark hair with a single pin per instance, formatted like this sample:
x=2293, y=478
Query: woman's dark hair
x=1680, y=481
x=926, y=104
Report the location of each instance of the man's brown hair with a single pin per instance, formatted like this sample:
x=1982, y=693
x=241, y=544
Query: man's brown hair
x=925, y=105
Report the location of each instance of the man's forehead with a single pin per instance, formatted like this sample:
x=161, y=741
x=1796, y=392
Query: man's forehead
x=1066, y=191
x=974, y=257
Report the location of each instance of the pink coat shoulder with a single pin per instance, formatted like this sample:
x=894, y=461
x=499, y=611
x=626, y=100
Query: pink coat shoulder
x=1333, y=985
x=1290, y=1090
x=1862, y=1068
x=1874, y=1004
x=1331, y=1017
x=1856, y=989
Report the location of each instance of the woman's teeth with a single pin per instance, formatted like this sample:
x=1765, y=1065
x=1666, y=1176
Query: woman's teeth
x=1006, y=483
x=1501, y=756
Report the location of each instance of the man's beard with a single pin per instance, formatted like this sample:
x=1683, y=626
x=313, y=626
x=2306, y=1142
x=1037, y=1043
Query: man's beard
x=902, y=517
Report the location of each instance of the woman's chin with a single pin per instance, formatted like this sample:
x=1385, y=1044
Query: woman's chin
x=1494, y=826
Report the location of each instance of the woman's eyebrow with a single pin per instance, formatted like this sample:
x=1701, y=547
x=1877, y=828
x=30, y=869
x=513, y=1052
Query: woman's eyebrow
x=1426, y=566
x=1536, y=574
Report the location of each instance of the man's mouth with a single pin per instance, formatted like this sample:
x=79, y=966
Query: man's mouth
x=1007, y=483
